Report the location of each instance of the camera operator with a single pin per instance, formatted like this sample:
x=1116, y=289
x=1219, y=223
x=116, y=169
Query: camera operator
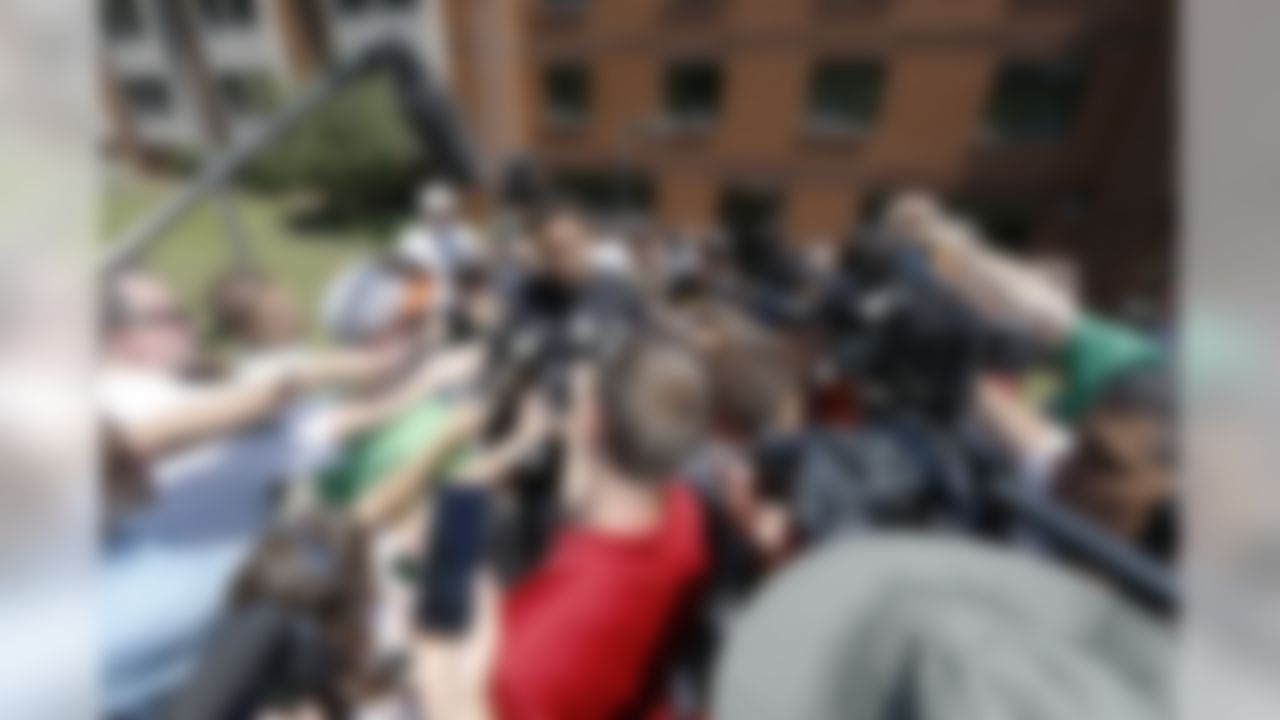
x=564, y=310
x=1112, y=460
x=586, y=633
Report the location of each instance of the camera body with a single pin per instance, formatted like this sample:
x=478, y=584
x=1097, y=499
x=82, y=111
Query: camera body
x=551, y=328
x=908, y=344
x=911, y=351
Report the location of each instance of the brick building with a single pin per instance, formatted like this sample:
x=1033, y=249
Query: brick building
x=1049, y=120
x=187, y=74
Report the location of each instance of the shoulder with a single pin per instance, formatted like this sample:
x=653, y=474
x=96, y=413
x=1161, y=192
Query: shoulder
x=677, y=554
x=132, y=396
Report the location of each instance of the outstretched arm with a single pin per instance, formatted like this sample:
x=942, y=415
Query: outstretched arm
x=447, y=369
x=994, y=282
x=455, y=650
x=395, y=496
x=1027, y=432
x=212, y=413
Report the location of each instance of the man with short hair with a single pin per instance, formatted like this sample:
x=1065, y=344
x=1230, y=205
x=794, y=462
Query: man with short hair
x=586, y=633
x=168, y=560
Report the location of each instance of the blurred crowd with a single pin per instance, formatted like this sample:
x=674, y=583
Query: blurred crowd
x=540, y=469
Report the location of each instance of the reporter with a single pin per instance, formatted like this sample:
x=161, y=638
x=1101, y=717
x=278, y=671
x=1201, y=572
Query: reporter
x=216, y=457
x=585, y=634
x=1111, y=460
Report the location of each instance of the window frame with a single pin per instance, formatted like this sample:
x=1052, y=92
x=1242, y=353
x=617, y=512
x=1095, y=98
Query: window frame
x=1072, y=92
x=122, y=27
x=603, y=191
x=554, y=112
x=824, y=121
x=130, y=85
x=684, y=119
x=258, y=92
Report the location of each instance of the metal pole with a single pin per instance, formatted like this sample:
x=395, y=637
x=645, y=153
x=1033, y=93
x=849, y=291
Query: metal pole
x=430, y=111
x=1132, y=570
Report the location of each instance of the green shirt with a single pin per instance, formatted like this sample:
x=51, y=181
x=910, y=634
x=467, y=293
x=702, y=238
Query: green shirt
x=374, y=456
x=1097, y=352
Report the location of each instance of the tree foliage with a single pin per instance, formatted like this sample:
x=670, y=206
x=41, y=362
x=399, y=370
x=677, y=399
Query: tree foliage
x=355, y=152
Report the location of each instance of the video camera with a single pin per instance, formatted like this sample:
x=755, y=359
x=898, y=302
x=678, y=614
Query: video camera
x=913, y=351
x=909, y=344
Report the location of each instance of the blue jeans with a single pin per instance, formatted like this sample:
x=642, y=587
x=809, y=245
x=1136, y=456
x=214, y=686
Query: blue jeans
x=159, y=603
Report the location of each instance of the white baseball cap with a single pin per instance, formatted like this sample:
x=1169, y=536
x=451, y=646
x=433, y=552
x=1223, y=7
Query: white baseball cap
x=364, y=300
x=437, y=198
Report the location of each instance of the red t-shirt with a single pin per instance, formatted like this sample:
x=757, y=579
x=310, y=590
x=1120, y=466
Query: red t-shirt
x=583, y=636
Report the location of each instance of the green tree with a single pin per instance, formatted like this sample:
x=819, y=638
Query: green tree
x=355, y=153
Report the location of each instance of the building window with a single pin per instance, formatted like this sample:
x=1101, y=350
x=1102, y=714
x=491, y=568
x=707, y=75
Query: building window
x=753, y=218
x=693, y=93
x=1007, y=225
x=121, y=18
x=871, y=209
x=356, y=7
x=247, y=93
x=146, y=95
x=634, y=193
x=567, y=87
x=844, y=95
x=566, y=6
x=607, y=193
x=1035, y=101
x=227, y=13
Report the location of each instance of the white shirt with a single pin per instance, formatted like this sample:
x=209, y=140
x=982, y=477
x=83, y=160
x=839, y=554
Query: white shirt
x=223, y=489
x=442, y=247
